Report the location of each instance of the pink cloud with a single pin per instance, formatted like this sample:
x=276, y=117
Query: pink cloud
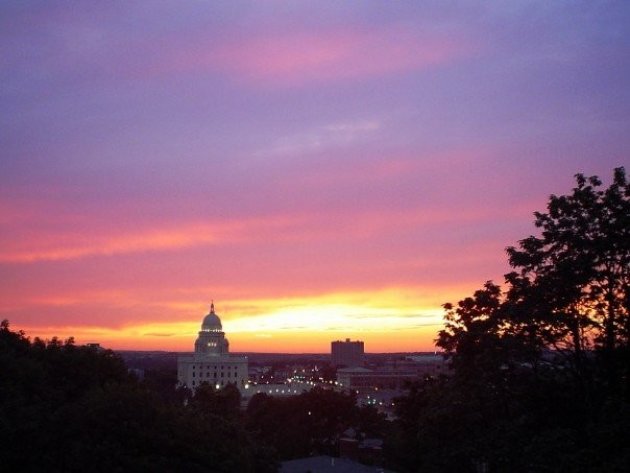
x=296, y=58
x=81, y=244
x=364, y=212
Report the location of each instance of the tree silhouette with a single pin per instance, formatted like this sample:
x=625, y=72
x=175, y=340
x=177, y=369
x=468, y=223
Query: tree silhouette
x=575, y=277
x=540, y=369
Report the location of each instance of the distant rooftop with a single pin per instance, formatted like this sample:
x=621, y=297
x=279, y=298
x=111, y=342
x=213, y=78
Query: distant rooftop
x=326, y=464
x=354, y=369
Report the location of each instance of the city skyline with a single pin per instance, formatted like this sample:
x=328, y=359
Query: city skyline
x=321, y=171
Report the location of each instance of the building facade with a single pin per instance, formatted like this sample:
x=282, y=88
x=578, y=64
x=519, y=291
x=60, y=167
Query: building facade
x=347, y=353
x=394, y=374
x=363, y=378
x=211, y=361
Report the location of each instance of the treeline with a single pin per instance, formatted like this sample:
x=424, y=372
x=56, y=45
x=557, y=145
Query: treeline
x=311, y=423
x=540, y=378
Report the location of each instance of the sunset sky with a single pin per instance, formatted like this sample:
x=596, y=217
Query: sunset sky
x=320, y=170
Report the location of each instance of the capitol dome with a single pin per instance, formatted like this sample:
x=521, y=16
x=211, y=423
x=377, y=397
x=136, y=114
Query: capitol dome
x=211, y=322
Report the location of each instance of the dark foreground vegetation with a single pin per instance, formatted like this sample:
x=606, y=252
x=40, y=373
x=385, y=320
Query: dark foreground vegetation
x=69, y=408
x=539, y=380
x=540, y=368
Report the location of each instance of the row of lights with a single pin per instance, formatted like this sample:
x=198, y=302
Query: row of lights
x=313, y=383
x=279, y=391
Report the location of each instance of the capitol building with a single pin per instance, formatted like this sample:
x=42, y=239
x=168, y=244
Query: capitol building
x=211, y=361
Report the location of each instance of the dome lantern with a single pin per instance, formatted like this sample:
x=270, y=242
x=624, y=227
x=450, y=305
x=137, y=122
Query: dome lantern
x=211, y=322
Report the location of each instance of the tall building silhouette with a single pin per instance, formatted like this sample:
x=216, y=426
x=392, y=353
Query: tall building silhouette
x=346, y=353
x=211, y=361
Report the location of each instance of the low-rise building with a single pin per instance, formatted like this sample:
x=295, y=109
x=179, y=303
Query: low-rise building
x=360, y=378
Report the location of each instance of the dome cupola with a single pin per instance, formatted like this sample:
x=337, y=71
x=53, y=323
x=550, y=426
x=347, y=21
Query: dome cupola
x=211, y=322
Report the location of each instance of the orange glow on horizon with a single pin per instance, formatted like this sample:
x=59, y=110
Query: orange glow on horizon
x=387, y=320
x=420, y=339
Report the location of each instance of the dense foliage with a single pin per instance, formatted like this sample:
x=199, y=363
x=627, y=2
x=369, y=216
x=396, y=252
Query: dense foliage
x=541, y=368
x=310, y=423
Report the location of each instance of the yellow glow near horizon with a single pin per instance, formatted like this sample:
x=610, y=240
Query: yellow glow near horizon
x=338, y=317
x=391, y=319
